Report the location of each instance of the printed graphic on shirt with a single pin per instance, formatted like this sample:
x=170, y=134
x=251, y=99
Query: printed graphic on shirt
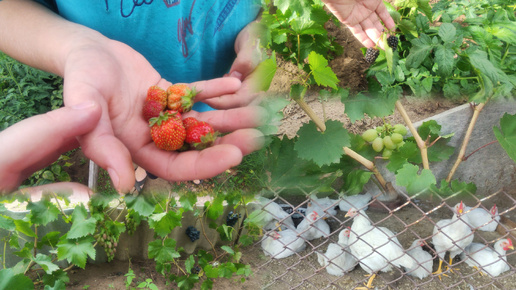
x=195, y=28
x=171, y=3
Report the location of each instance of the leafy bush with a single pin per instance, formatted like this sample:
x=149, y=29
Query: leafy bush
x=26, y=91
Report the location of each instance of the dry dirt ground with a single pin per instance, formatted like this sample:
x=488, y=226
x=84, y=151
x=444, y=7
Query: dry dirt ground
x=302, y=271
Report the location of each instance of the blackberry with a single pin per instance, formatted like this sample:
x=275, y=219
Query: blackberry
x=193, y=233
x=232, y=218
x=392, y=41
x=196, y=270
x=371, y=54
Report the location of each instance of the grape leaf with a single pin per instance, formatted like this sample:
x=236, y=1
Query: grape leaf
x=264, y=73
x=103, y=198
x=58, y=285
x=356, y=180
x=8, y=280
x=323, y=74
x=188, y=201
x=24, y=227
x=163, y=251
x=163, y=223
x=141, y=203
x=323, y=148
x=284, y=169
x=46, y=263
x=81, y=224
x=454, y=187
x=415, y=183
x=409, y=152
x=43, y=211
x=76, y=251
x=374, y=107
x=506, y=134
x=7, y=223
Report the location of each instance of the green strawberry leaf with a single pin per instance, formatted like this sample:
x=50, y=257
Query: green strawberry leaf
x=163, y=251
x=43, y=211
x=323, y=148
x=8, y=280
x=414, y=182
x=46, y=263
x=323, y=74
x=506, y=134
x=81, y=224
x=163, y=223
x=76, y=251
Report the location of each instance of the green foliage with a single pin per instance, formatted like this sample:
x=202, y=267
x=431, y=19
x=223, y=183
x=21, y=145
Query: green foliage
x=26, y=91
x=506, y=134
x=460, y=48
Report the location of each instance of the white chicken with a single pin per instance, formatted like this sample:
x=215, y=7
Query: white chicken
x=325, y=207
x=453, y=236
x=376, y=248
x=359, y=201
x=489, y=261
x=481, y=219
x=282, y=244
x=272, y=216
x=313, y=227
x=338, y=260
x=424, y=261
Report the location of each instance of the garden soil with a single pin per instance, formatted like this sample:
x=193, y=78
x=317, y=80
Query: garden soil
x=303, y=271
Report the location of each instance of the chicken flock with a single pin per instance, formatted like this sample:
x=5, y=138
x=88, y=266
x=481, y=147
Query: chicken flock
x=377, y=249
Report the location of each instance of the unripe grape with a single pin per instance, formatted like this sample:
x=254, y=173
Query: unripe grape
x=386, y=153
x=400, y=129
x=369, y=135
x=377, y=144
x=379, y=129
x=396, y=138
x=387, y=141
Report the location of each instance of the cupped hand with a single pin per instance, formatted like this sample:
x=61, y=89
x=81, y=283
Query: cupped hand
x=117, y=78
x=366, y=19
x=36, y=142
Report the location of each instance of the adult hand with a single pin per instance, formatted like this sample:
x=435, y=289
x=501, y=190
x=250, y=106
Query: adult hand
x=36, y=142
x=363, y=18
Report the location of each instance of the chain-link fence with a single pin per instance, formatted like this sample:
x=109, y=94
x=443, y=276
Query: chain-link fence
x=340, y=242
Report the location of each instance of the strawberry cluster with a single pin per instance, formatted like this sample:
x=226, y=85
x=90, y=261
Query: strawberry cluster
x=163, y=109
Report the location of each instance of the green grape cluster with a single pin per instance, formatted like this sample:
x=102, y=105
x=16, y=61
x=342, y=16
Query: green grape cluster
x=108, y=240
x=130, y=222
x=386, y=138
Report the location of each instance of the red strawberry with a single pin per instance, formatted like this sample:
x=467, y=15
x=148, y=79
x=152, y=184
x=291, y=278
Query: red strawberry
x=167, y=131
x=200, y=135
x=157, y=94
x=151, y=109
x=180, y=97
x=190, y=121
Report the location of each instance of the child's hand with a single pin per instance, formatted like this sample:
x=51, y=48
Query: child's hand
x=36, y=142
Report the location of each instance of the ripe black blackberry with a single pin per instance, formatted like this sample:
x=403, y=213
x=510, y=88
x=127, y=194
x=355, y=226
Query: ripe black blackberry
x=193, y=233
x=392, y=41
x=196, y=270
x=371, y=54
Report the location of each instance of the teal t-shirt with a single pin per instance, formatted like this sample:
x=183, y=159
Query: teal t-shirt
x=184, y=40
